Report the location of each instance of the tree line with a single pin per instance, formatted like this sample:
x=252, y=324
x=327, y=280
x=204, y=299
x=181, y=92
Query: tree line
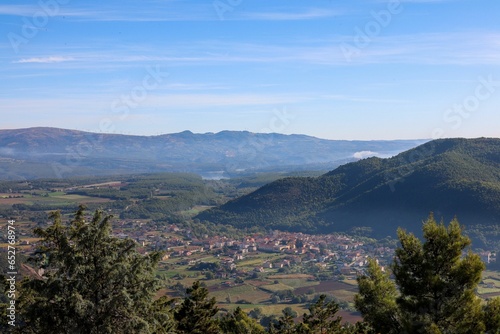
x=96, y=283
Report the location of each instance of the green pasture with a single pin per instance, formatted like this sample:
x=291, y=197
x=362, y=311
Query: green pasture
x=344, y=295
x=276, y=287
x=297, y=282
x=492, y=274
x=241, y=292
x=350, y=282
x=257, y=259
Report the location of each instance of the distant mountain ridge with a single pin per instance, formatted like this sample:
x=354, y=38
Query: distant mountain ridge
x=448, y=177
x=52, y=152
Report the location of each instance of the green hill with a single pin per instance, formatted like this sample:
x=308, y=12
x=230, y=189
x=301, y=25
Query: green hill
x=448, y=176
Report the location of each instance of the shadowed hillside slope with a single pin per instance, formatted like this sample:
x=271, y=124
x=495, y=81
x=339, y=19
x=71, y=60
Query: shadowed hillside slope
x=448, y=176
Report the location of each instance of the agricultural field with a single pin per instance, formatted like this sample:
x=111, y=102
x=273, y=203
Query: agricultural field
x=271, y=291
x=54, y=198
x=249, y=286
x=240, y=294
x=263, y=291
x=490, y=285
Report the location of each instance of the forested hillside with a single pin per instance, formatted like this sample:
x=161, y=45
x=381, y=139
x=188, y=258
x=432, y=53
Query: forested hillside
x=448, y=177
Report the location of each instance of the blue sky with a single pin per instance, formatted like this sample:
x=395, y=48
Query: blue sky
x=344, y=69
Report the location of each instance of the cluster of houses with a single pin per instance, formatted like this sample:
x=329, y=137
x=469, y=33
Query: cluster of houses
x=488, y=257
x=348, y=254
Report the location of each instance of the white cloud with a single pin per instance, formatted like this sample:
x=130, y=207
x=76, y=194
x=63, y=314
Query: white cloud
x=44, y=60
x=364, y=154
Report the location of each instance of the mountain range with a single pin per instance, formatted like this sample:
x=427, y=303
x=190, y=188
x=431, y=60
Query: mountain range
x=449, y=177
x=57, y=153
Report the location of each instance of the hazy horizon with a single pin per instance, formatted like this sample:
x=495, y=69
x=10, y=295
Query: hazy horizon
x=215, y=133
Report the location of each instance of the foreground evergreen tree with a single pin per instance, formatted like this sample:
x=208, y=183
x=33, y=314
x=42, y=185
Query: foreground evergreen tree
x=286, y=323
x=436, y=285
x=238, y=322
x=322, y=318
x=492, y=316
x=196, y=314
x=94, y=282
x=377, y=300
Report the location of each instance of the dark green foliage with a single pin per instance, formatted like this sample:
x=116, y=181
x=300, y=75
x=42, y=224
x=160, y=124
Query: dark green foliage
x=492, y=316
x=210, y=266
x=94, y=283
x=436, y=285
x=321, y=318
x=269, y=322
x=161, y=316
x=280, y=204
x=196, y=314
x=238, y=322
x=377, y=300
x=286, y=323
x=200, y=229
x=485, y=237
x=256, y=313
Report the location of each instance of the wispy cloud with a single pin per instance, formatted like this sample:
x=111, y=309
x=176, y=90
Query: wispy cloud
x=44, y=60
x=425, y=1
x=18, y=10
x=457, y=48
x=195, y=86
x=23, y=107
x=59, y=10
x=166, y=11
x=417, y=1
x=309, y=14
x=146, y=11
x=362, y=99
x=95, y=103
x=462, y=49
x=150, y=12
x=220, y=100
